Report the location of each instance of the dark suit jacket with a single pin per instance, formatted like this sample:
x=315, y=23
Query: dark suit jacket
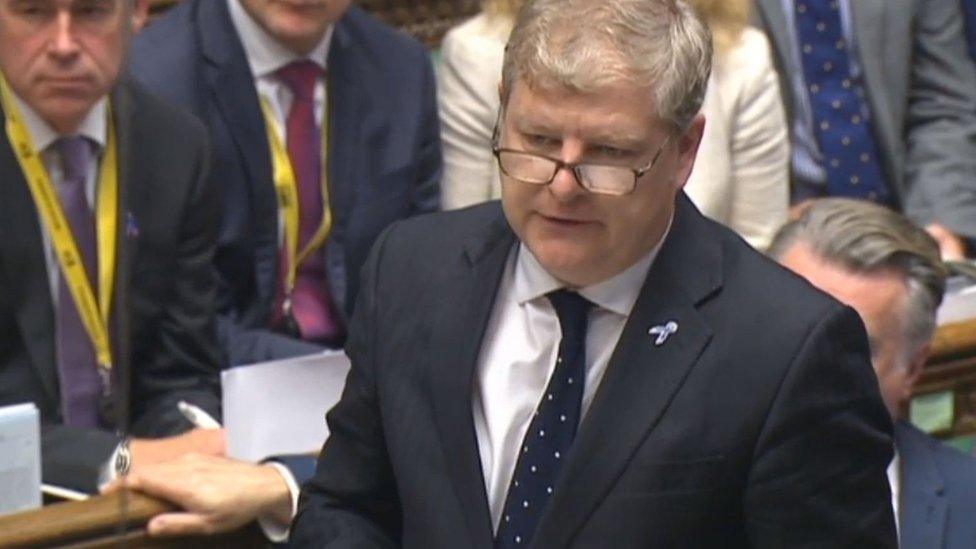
x=921, y=90
x=938, y=492
x=969, y=11
x=162, y=322
x=384, y=151
x=758, y=423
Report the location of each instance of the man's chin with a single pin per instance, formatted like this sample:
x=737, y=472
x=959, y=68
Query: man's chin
x=64, y=113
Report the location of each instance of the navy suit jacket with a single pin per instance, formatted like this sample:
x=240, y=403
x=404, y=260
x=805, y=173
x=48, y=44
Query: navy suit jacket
x=384, y=159
x=938, y=492
x=758, y=424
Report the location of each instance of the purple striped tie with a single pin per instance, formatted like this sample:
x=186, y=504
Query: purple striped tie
x=312, y=306
x=81, y=384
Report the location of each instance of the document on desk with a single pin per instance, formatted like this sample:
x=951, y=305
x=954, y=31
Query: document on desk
x=959, y=303
x=20, y=458
x=278, y=408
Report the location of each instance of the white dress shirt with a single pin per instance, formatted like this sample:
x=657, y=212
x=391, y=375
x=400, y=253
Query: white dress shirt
x=265, y=56
x=519, y=355
x=95, y=127
x=894, y=480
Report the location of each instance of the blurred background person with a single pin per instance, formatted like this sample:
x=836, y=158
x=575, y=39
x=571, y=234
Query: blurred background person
x=881, y=98
x=317, y=100
x=741, y=175
x=889, y=270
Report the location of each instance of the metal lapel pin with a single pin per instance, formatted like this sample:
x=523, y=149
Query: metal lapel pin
x=663, y=332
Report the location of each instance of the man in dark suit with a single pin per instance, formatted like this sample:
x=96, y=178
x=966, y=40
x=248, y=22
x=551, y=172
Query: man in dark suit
x=238, y=65
x=889, y=270
x=591, y=362
x=881, y=95
x=140, y=271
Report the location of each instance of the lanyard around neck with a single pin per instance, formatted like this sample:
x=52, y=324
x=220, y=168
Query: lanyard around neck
x=286, y=190
x=94, y=313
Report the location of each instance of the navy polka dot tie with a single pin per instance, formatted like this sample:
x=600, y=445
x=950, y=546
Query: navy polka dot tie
x=551, y=433
x=840, y=117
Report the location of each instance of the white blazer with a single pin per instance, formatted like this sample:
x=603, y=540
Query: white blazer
x=741, y=175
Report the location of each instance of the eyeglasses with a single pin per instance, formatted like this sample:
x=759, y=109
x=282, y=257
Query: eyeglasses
x=537, y=169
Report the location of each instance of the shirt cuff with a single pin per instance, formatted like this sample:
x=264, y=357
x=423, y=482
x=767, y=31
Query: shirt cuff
x=274, y=530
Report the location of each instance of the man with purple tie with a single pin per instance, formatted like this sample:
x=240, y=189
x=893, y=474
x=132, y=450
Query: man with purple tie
x=106, y=290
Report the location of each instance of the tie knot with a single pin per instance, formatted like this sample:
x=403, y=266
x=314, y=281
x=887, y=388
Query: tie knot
x=571, y=308
x=76, y=155
x=300, y=78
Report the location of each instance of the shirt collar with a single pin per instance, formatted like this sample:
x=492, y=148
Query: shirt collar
x=264, y=54
x=93, y=126
x=617, y=294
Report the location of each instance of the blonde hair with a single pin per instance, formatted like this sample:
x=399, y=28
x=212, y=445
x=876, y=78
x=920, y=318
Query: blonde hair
x=726, y=19
x=660, y=45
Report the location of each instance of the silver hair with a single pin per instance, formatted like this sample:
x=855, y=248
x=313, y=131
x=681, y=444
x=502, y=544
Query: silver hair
x=865, y=238
x=584, y=45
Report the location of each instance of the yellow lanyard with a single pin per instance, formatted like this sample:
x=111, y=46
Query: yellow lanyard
x=94, y=313
x=286, y=189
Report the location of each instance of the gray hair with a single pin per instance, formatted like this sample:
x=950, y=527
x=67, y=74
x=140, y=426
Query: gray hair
x=865, y=238
x=584, y=45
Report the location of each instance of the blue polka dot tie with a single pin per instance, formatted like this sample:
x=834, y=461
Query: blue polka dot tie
x=840, y=117
x=551, y=433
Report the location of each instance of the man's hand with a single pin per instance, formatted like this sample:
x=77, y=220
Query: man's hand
x=217, y=494
x=146, y=452
x=950, y=246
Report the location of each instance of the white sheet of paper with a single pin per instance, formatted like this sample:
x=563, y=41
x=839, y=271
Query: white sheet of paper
x=958, y=305
x=20, y=458
x=278, y=408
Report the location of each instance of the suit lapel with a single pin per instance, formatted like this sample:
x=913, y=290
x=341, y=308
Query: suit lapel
x=25, y=268
x=347, y=109
x=923, y=509
x=125, y=244
x=641, y=378
x=775, y=23
x=455, y=346
x=867, y=24
x=232, y=90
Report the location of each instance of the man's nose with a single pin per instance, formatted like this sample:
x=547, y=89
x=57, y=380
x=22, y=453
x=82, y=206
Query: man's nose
x=65, y=42
x=565, y=186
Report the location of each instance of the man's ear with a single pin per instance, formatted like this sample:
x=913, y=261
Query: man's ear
x=916, y=366
x=140, y=14
x=688, y=145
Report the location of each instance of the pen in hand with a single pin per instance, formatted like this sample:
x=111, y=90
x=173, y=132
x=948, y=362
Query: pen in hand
x=197, y=416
